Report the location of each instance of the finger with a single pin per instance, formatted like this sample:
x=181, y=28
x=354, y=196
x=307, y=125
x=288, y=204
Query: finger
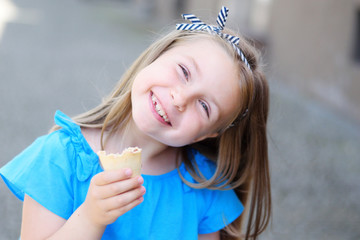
x=110, y=176
x=120, y=187
x=124, y=199
x=121, y=211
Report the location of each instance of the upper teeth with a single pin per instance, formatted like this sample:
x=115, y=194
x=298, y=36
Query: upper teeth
x=159, y=109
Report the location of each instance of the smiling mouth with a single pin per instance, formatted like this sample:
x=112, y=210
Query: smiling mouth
x=159, y=109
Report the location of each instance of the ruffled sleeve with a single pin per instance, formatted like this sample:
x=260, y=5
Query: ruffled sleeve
x=49, y=168
x=85, y=159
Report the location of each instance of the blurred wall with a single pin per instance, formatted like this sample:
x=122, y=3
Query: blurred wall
x=312, y=44
x=170, y=11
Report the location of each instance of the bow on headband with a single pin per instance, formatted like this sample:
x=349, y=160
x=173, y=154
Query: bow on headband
x=197, y=24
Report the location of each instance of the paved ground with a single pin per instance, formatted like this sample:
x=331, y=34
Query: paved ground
x=67, y=54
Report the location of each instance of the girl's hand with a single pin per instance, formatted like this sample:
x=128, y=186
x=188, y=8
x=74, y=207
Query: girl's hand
x=111, y=194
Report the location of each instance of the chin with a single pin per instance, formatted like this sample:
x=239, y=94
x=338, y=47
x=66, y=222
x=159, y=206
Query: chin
x=175, y=143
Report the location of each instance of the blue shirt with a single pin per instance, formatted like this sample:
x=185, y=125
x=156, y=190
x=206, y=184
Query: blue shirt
x=57, y=168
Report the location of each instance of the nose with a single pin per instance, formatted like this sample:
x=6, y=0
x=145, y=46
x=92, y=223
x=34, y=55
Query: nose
x=180, y=98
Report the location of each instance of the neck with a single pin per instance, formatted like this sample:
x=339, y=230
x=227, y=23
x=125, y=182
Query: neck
x=157, y=158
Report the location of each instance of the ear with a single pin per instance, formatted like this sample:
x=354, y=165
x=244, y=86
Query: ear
x=210, y=135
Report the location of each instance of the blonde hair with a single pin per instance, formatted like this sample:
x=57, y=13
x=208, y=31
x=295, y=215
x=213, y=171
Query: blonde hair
x=241, y=150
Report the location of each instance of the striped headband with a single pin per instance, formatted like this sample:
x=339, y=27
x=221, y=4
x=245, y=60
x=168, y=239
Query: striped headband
x=197, y=24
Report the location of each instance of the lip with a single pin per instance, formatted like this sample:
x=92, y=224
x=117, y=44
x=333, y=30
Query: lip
x=153, y=110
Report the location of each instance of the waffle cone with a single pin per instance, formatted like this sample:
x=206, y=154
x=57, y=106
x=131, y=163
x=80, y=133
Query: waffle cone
x=129, y=158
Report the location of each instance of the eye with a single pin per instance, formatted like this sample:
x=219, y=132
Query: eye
x=185, y=72
x=205, y=107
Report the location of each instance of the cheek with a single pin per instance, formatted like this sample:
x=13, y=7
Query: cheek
x=193, y=126
x=140, y=80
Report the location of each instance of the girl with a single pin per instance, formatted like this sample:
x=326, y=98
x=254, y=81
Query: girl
x=198, y=89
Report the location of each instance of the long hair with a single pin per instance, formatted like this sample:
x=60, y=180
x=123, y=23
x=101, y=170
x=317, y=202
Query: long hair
x=240, y=150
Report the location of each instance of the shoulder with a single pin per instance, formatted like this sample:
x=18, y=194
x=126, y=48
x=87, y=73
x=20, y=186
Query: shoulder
x=59, y=144
x=51, y=167
x=71, y=135
x=69, y=131
x=64, y=149
x=215, y=205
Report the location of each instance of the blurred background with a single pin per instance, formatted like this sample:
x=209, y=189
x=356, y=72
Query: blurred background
x=68, y=54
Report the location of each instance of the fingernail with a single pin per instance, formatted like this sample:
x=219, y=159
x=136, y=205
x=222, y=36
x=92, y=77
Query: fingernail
x=140, y=180
x=128, y=172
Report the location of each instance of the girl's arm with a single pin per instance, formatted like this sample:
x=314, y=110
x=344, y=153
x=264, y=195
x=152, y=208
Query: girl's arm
x=35, y=215
x=40, y=223
x=209, y=236
x=110, y=195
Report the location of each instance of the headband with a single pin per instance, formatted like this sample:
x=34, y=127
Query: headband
x=197, y=24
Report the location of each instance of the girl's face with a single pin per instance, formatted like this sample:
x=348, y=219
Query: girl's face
x=187, y=94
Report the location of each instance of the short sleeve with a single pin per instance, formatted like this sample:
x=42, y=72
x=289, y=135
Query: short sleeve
x=43, y=171
x=219, y=208
x=224, y=207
